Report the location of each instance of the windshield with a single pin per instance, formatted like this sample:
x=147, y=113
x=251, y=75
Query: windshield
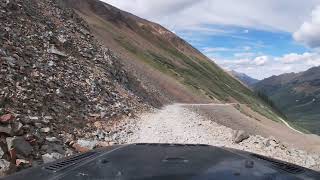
x=79, y=75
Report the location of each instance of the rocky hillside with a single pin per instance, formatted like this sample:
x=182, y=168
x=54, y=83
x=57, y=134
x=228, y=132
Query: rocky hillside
x=57, y=81
x=245, y=79
x=297, y=95
x=167, y=65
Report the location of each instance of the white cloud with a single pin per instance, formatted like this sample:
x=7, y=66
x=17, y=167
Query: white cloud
x=265, y=66
x=294, y=57
x=284, y=15
x=261, y=60
x=217, y=49
x=309, y=31
x=244, y=55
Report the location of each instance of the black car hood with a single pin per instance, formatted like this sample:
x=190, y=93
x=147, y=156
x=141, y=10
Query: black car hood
x=166, y=161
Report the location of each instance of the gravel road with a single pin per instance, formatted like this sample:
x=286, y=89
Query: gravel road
x=178, y=124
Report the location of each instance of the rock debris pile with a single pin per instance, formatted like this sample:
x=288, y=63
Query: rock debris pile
x=56, y=81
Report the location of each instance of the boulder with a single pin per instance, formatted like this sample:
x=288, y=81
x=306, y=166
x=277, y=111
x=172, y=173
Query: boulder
x=90, y=144
x=6, y=129
x=21, y=146
x=51, y=157
x=84, y=145
x=6, y=118
x=239, y=135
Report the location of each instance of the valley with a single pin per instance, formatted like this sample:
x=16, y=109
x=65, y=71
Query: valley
x=297, y=95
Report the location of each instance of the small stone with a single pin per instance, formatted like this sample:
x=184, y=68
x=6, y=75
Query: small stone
x=2, y=53
x=6, y=129
x=10, y=60
x=6, y=118
x=98, y=124
x=17, y=127
x=112, y=143
x=239, y=136
x=45, y=130
x=52, y=139
x=4, y=167
x=21, y=162
x=62, y=39
x=103, y=144
x=1, y=152
x=33, y=118
x=55, y=51
x=103, y=114
x=48, y=117
x=38, y=125
x=47, y=158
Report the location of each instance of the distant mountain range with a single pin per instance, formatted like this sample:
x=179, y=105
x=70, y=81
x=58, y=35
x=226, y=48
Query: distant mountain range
x=297, y=95
x=247, y=80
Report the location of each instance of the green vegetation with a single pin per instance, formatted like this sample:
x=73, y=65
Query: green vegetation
x=200, y=75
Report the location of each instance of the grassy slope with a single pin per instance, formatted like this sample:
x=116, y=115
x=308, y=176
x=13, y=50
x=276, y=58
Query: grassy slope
x=303, y=113
x=194, y=70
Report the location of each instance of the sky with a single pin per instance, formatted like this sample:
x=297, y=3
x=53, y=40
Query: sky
x=260, y=38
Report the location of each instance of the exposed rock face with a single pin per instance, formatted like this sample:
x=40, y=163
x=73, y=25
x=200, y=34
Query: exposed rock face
x=56, y=81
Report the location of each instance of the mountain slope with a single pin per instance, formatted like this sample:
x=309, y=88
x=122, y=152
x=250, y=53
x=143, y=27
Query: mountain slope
x=166, y=64
x=56, y=82
x=247, y=80
x=297, y=95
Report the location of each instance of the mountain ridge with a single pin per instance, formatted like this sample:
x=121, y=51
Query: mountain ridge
x=297, y=95
x=170, y=67
x=247, y=80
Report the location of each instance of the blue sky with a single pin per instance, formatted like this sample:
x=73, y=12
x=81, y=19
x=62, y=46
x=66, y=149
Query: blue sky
x=260, y=38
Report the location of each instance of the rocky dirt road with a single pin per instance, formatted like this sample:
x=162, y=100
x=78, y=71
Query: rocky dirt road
x=178, y=124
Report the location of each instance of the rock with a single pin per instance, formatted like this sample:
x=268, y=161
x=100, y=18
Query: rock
x=45, y=130
x=84, y=145
x=2, y=53
x=79, y=148
x=6, y=129
x=33, y=118
x=21, y=162
x=100, y=134
x=53, y=147
x=10, y=60
x=87, y=144
x=55, y=51
x=52, y=139
x=103, y=114
x=239, y=136
x=21, y=146
x=6, y=118
x=62, y=39
x=98, y=124
x=47, y=158
x=1, y=152
x=103, y=144
x=4, y=167
x=17, y=128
